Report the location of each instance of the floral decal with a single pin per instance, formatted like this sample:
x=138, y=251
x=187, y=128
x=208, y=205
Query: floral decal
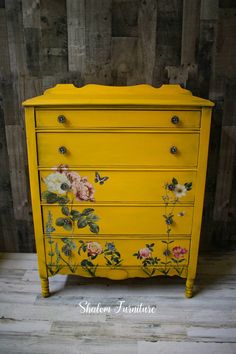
x=179, y=252
x=55, y=266
x=73, y=218
x=63, y=183
x=66, y=255
x=174, y=191
x=63, y=254
x=148, y=261
x=93, y=249
x=151, y=265
x=112, y=255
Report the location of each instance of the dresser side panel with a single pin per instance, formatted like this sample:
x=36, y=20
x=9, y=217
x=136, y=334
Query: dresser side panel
x=34, y=188
x=199, y=190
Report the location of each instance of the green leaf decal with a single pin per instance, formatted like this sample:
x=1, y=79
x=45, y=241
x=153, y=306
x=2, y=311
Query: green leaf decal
x=82, y=222
x=66, y=250
x=188, y=186
x=65, y=210
x=63, y=200
x=92, y=218
x=51, y=198
x=94, y=228
x=67, y=225
x=60, y=221
x=174, y=180
x=87, y=211
x=75, y=214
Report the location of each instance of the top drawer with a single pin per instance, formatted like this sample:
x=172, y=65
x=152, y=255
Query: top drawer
x=76, y=119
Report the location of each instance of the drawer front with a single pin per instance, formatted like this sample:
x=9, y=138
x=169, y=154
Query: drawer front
x=115, y=186
x=153, y=257
x=69, y=119
x=115, y=220
x=117, y=149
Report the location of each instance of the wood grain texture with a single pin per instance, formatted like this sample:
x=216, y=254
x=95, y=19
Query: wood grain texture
x=117, y=42
x=32, y=324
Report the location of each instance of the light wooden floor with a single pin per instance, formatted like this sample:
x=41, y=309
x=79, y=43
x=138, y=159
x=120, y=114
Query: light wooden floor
x=203, y=324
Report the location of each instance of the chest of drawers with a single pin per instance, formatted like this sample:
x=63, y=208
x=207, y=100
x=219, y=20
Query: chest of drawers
x=117, y=178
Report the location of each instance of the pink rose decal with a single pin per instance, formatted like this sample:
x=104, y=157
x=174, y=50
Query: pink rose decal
x=80, y=186
x=94, y=248
x=145, y=253
x=179, y=252
x=85, y=190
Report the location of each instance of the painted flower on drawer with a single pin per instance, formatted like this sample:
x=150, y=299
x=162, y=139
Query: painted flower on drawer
x=178, y=256
x=179, y=252
x=172, y=263
x=65, y=185
x=148, y=261
x=112, y=255
x=93, y=249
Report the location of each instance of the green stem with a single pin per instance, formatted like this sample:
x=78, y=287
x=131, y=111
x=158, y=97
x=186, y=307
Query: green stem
x=71, y=269
x=145, y=271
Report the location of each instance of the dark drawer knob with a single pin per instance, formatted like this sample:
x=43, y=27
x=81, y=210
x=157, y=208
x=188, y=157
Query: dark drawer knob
x=61, y=119
x=62, y=150
x=175, y=120
x=173, y=150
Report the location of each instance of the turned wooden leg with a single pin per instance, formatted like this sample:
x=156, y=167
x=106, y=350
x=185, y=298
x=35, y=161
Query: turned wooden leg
x=45, y=287
x=189, y=288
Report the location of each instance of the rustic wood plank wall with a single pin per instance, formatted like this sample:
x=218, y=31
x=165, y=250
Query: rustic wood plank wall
x=117, y=42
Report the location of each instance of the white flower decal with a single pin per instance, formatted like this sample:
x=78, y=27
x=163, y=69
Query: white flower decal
x=57, y=183
x=180, y=190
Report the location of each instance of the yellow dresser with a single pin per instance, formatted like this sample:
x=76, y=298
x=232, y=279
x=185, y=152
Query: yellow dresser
x=117, y=179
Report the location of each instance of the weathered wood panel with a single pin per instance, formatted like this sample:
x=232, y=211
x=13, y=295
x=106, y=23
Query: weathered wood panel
x=117, y=42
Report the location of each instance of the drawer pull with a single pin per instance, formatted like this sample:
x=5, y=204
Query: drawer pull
x=175, y=120
x=61, y=119
x=62, y=150
x=173, y=150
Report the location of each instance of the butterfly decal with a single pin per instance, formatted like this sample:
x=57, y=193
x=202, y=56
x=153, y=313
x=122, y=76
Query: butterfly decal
x=99, y=179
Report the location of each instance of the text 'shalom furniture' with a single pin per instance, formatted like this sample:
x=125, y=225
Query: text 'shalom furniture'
x=117, y=179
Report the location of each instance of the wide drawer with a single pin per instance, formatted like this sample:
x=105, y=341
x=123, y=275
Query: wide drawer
x=151, y=256
x=116, y=186
x=69, y=119
x=117, y=149
x=119, y=219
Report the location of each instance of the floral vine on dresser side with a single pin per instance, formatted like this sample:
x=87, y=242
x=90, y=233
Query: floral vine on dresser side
x=174, y=191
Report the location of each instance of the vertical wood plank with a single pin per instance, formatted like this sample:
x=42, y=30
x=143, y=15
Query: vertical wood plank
x=54, y=44
x=98, y=41
x=146, y=51
x=76, y=35
x=190, y=31
x=168, y=42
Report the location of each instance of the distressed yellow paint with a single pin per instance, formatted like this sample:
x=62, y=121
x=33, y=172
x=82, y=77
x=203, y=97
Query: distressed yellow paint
x=125, y=133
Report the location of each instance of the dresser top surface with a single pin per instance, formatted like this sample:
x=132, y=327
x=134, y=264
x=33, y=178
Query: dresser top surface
x=96, y=95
